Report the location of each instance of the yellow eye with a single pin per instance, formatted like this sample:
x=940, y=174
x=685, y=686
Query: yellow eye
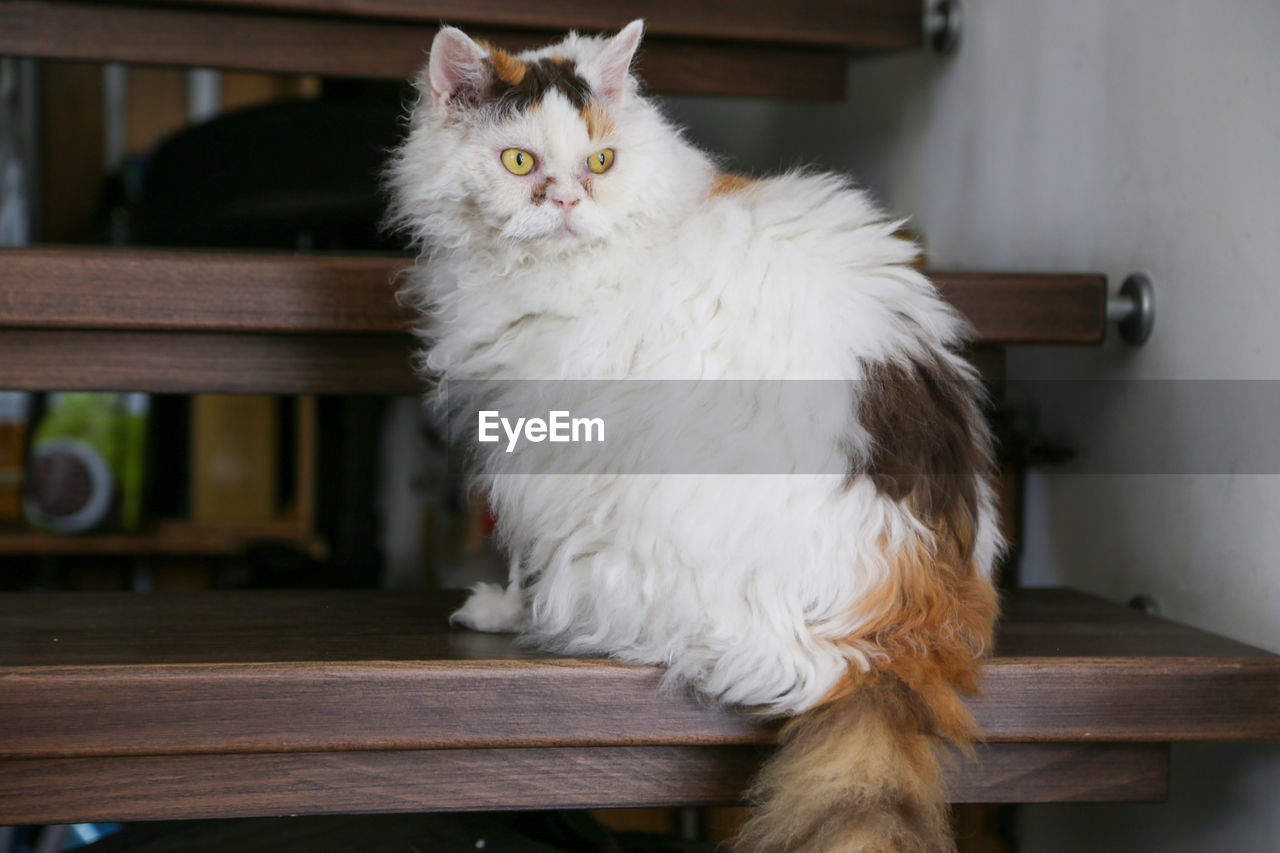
x=517, y=162
x=600, y=161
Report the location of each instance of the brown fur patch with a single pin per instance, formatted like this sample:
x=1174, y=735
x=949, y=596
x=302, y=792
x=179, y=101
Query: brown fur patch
x=599, y=122
x=540, y=78
x=516, y=85
x=929, y=441
x=539, y=194
x=727, y=182
x=933, y=617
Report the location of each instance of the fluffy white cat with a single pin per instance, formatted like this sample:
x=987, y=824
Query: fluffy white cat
x=569, y=232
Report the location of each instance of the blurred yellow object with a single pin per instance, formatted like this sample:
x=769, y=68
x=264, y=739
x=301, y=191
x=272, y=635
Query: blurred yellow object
x=235, y=453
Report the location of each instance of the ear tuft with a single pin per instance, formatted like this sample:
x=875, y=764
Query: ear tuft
x=457, y=64
x=614, y=61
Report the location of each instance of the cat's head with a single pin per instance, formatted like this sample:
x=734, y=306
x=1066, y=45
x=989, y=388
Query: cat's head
x=549, y=147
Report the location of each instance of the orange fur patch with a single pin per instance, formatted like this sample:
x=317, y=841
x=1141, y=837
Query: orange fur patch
x=858, y=774
x=933, y=620
x=727, y=182
x=599, y=122
x=509, y=69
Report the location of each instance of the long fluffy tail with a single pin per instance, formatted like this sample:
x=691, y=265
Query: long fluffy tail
x=860, y=774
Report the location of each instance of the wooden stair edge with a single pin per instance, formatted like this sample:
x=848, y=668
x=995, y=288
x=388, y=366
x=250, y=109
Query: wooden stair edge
x=90, y=675
x=238, y=785
x=173, y=321
x=168, y=290
x=167, y=538
x=866, y=23
x=246, y=37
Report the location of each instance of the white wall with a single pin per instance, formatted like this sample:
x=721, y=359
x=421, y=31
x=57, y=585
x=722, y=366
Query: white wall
x=1111, y=135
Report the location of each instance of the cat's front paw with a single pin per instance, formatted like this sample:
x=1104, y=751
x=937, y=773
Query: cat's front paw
x=491, y=608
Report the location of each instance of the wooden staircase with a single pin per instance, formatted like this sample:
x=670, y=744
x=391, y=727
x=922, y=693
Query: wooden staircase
x=221, y=704
x=234, y=704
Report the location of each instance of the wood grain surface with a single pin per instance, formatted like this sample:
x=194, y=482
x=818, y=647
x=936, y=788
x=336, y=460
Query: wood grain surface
x=140, y=289
x=372, y=46
x=848, y=23
x=157, y=290
x=215, y=786
x=229, y=704
x=102, y=674
x=167, y=538
x=217, y=362
x=174, y=321
x=1028, y=308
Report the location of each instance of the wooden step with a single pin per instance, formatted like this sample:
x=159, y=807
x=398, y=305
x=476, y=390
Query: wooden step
x=777, y=50
x=127, y=706
x=168, y=538
x=150, y=320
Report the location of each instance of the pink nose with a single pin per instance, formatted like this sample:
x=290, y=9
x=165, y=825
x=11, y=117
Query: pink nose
x=564, y=199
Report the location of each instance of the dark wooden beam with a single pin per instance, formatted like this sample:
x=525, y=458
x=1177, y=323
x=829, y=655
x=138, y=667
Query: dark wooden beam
x=149, y=320
x=1029, y=308
x=223, y=291
x=199, y=291
x=136, y=707
x=220, y=786
x=881, y=24
x=218, y=36
x=119, y=674
x=205, y=362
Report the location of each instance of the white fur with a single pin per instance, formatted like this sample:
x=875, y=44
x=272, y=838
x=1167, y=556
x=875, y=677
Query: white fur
x=492, y=608
x=738, y=584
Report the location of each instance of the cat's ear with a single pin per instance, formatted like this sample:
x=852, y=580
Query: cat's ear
x=458, y=66
x=613, y=62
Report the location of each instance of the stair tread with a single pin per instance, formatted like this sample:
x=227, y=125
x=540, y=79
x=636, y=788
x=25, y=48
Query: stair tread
x=134, y=674
x=269, y=322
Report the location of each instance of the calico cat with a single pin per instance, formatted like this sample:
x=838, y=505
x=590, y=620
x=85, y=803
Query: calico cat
x=568, y=232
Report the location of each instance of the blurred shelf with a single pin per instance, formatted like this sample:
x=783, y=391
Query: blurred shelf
x=129, y=706
x=175, y=321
